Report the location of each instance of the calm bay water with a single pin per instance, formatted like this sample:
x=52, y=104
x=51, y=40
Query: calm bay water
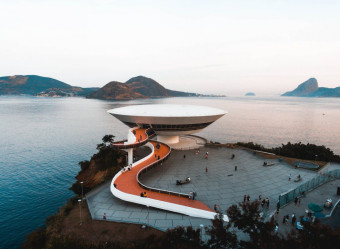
x=43, y=139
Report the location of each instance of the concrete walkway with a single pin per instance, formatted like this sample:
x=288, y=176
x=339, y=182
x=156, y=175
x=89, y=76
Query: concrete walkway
x=188, y=143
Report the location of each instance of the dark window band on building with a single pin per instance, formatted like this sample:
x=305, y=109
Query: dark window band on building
x=131, y=125
x=168, y=127
x=181, y=127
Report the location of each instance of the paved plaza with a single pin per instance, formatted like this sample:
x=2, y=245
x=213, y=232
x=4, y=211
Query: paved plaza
x=221, y=185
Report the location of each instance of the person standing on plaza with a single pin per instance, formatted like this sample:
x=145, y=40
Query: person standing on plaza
x=293, y=219
x=276, y=228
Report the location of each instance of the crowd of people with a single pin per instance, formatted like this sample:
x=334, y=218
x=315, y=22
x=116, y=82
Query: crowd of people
x=264, y=202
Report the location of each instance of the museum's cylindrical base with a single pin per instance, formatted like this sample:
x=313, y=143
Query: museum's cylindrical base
x=168, y=139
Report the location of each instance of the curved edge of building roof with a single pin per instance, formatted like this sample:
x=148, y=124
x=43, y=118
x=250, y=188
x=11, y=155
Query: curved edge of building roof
x=215, y=112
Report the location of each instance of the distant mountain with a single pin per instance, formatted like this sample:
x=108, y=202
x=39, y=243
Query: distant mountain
x=250, y=94
x=29, y=84
x=116, y=90
x=147, y=87
x=136, y=87
x=38, y=85
x=310, y=88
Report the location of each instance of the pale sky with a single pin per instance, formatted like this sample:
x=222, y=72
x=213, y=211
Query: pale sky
x=220, y=47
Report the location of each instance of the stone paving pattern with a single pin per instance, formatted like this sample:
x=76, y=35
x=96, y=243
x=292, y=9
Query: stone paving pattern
x=221, y=185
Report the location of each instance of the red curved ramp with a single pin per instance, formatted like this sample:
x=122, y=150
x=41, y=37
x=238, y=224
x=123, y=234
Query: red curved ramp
x=125, y=184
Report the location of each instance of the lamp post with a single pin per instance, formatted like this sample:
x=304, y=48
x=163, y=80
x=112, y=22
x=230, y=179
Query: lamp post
x=202, y=226
x=79, y=201
x=148, y=217
x=82, y=191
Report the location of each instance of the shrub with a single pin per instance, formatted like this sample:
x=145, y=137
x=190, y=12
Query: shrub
x=84, y=165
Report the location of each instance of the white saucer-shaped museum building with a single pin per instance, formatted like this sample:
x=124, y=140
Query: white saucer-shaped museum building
x=168, y=121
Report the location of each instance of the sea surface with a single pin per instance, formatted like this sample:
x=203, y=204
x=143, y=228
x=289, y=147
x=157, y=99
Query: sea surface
x=43, y=139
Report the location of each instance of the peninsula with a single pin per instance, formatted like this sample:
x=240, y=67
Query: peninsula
x=310, y=88
x=41, y=86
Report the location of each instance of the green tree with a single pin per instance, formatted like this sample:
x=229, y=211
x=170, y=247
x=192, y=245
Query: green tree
x=220, y=234
x=179, y=237
x=108, y=139
x=84, y=165
x=246, y=217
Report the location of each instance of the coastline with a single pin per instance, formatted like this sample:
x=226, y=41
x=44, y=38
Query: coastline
x=66, y=221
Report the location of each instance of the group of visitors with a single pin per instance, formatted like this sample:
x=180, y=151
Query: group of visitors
x=127, y=168
x=192, y=195
x=246, y=198
x=285, y=219
x=297, y=201
x=180, y=182
x=265, y=202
